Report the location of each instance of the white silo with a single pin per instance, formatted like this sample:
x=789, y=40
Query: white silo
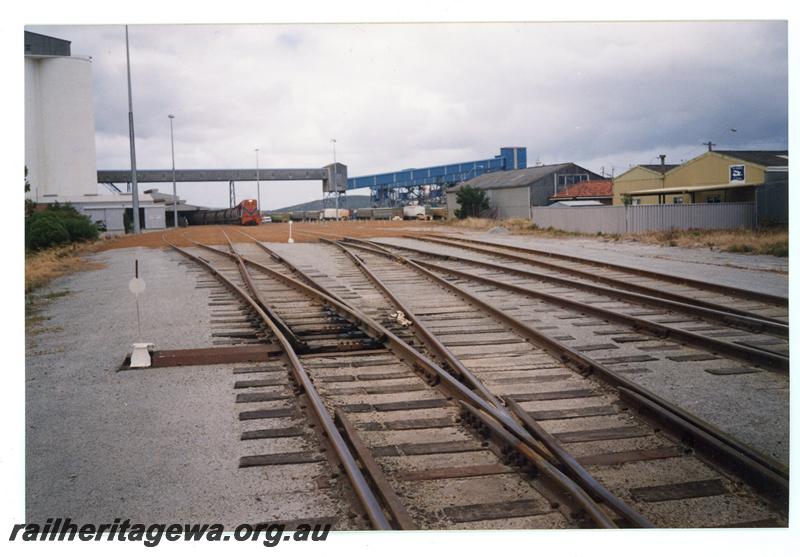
x=59, y=127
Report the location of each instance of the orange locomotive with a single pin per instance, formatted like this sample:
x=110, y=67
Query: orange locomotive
x=245, y=213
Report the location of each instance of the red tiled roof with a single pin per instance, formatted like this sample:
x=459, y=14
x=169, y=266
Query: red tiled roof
x=582, y=190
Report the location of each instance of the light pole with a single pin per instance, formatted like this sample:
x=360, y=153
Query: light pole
x=174, y=187
x=258, y=183
x=134, y=182
x=335, y=176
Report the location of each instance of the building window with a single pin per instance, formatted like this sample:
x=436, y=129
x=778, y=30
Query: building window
x=677, y=199
x=713, y=199
x=636, y=201
x=569, y=179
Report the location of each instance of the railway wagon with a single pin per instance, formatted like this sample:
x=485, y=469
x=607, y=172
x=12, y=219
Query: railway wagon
x=330, y=214
x=387, y=213
x=280, y=217
x=437, y=213
x=310, y=215
x=245, y=213
x=296, y=215
x=364, y=213
x=414, y=212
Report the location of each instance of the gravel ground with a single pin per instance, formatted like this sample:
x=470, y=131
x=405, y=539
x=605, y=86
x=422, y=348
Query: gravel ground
x=151, y=446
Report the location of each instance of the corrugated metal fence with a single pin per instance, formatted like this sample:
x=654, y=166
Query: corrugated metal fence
x=644, y=218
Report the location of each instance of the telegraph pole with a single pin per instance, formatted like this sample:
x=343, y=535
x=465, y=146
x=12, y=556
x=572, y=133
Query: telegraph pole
x=174, y=187
x=134, y=183
x=258, y=184
x=335, y=180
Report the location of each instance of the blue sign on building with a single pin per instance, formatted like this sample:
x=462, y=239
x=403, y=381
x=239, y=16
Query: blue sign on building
x=737, y=173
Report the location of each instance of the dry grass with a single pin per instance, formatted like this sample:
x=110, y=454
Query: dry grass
x=43, y=266
x=767, y=241
x=515, y=226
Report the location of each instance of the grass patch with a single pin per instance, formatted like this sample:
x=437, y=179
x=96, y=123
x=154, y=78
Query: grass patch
x=766, y=241
x=515, y=226
x=43, y=266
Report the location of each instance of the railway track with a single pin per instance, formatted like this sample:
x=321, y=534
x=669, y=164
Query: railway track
x=459, y=461
x=691, y=290
x=651, y=343
x=486, y=447
x=509, y=352
x=755, y=340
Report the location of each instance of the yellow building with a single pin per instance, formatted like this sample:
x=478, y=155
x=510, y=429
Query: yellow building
x=640, y=177
x=713, y=177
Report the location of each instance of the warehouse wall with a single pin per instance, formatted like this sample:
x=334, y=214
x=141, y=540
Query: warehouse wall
x=646, y=218
x=510, y=202
x=773, y=199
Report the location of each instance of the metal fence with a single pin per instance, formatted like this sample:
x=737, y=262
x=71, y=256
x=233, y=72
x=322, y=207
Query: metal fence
x=645, y=218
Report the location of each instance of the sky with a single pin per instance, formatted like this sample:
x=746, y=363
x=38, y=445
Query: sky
x=603, y=95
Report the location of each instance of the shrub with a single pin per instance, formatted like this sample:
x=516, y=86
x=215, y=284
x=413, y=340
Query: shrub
x=44, y=232
x=473, y=202
x=58, y=224
x=778, y=249
x=80, y=229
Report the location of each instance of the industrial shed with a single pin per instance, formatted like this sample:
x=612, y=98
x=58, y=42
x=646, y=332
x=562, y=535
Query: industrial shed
x=713, y=177
x=512, y=193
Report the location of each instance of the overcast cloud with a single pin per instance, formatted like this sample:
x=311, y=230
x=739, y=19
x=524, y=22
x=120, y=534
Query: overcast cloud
x=398, y=96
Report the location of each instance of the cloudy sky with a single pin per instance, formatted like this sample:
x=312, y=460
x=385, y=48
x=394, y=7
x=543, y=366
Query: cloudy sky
x=602, y=95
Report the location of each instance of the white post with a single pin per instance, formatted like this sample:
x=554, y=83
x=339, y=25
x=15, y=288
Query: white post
x=291, y=240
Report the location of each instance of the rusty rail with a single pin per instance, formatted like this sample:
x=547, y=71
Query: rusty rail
x=725, y=317
x=362, y=489
x=770, y=476
x=450, y=384
x=583, y=478
x=492, y=249
x=770, y=360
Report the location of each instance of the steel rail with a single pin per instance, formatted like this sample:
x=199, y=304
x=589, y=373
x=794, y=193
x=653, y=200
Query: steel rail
x=770, y=360
x=569, y=462
x=617, y=282
x=297, y=343
x=584, y=479
x=451, y=385
x=364, y=493
x=496, y=431
x=716, y=445
x=430, y=340
x=765, y=358
x=724, y=317
x=438, y=348
x=283, y=261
